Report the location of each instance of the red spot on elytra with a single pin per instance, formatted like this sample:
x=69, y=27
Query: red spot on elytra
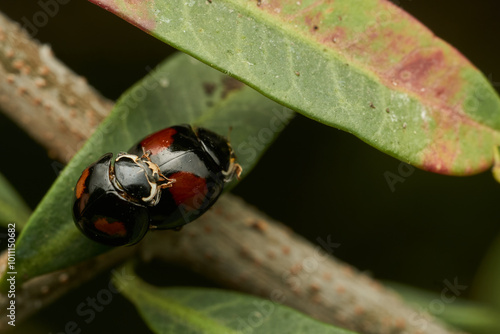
x=159, y=141
x=80, y=186
x=81, y=195
x=112, y=229
x=189, y=190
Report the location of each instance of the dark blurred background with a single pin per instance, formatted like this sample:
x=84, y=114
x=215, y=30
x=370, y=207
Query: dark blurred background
x=430, y=228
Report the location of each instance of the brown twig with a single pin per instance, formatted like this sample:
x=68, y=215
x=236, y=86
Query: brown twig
x=39, y=92
x=234, y=244
x=43, y=290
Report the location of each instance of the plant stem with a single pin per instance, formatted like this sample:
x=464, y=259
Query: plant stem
x=55, y=106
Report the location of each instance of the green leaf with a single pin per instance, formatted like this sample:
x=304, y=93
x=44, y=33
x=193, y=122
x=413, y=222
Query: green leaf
x=13, y=210
x=201, y=310
x=181, y=90
x=486, y=285
x=364, y=66
x=470, y=316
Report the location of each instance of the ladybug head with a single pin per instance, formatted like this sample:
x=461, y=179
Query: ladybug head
x=221, y=151
x=139, y=179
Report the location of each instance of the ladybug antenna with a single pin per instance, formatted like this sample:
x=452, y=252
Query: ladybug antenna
x=229, y=132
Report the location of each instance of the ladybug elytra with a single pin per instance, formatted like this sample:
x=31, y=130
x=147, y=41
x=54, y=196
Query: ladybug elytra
x=167, y=180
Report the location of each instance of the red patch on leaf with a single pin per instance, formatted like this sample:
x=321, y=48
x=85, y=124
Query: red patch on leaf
x=426, y=73
x=313, y=21
x=436, y=159
x=271, y=6
x=446, y=147
x=136, y=12
x=337, y=36
x=415, y=68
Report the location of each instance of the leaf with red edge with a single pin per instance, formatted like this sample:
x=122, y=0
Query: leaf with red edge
x=364, y=66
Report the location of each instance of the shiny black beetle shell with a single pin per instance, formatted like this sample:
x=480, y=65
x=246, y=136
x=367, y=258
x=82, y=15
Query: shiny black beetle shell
x=168, y=179
x=102, y=213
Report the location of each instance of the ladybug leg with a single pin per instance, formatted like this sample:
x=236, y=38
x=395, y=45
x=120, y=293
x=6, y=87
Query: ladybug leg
x=237, y=170
x=161, y=180
x=165, y=181
x=153, y=227
x=234, y=169
x=146, y=154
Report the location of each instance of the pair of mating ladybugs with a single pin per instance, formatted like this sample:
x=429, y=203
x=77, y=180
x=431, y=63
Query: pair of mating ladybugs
x=167, y=180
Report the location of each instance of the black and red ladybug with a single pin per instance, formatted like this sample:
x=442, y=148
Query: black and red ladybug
x=167, y=180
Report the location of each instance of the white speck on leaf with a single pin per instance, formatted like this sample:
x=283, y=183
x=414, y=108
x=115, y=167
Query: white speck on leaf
x=424, y=116
x=164, y=82
x=393, y=117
